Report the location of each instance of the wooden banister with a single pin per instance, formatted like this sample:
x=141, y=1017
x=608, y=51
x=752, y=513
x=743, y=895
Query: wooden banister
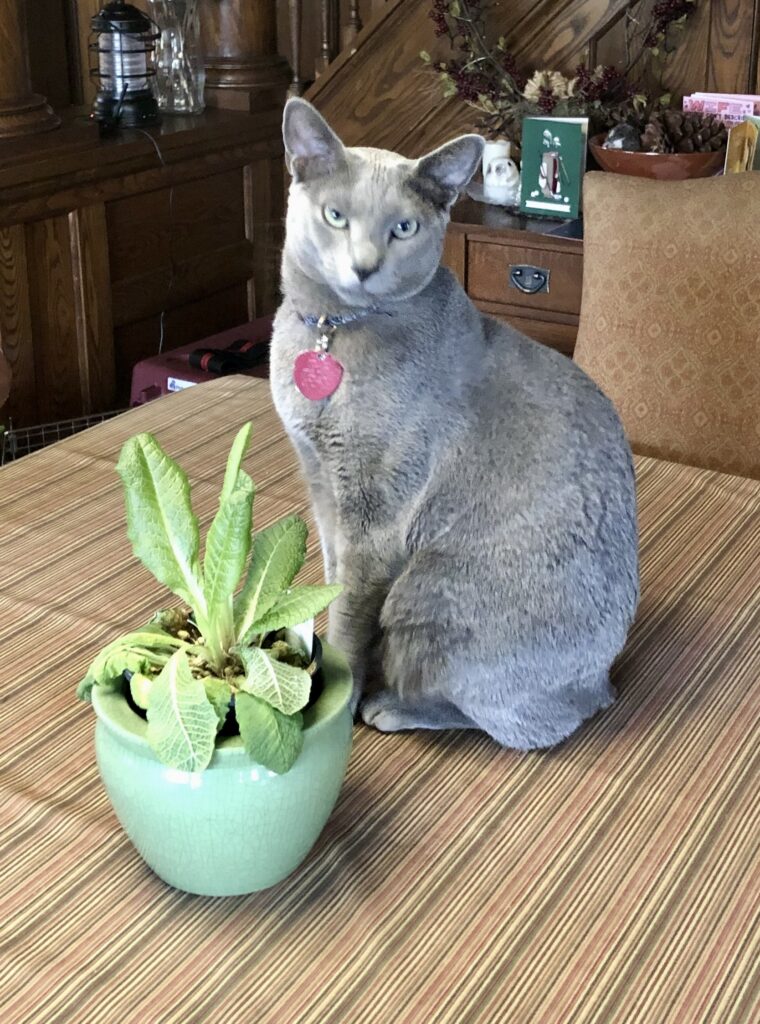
x=329, y=19
x=381, y=11
x=354, y=26
x=295, y=14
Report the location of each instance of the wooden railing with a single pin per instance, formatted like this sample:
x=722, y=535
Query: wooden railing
x=339, y=22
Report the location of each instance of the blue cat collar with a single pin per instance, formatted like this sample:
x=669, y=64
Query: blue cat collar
x=341, y=319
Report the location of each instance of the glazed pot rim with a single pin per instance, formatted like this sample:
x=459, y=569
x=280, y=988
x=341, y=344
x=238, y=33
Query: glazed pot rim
x=117, y=716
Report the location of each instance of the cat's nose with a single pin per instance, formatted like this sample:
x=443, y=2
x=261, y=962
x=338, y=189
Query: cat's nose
x=364, y=272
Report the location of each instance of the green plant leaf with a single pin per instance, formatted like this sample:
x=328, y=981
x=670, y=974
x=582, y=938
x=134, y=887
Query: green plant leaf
x=296, y=606
x=181, y=723
x=235, y=460
x=272, y=739
x=219, y=694
x=134, y=652
x=278, y=554
x=227, y=546
x=160, y=520
x=283, y=686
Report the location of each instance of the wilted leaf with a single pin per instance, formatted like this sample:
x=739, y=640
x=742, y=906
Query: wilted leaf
x=131, y=652
x=219, y=694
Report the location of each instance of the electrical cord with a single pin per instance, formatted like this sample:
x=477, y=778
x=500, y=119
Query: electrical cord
x=110, y=127
x=172, y=262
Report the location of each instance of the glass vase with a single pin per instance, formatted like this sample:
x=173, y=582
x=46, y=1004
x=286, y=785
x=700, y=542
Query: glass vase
x=181, y=73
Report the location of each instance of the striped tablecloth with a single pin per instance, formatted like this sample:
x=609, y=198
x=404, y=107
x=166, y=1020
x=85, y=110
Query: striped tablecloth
x=615, y=879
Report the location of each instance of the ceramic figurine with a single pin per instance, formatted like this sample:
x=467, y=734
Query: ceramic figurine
x=501, y=181
x=495, y=150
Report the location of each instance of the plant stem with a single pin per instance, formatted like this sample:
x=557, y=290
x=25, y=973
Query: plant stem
x=485, y=51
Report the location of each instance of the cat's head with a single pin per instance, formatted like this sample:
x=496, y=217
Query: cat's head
x=368, y=223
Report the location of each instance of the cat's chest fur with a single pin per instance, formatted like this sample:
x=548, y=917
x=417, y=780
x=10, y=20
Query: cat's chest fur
x=367, y=438
x=355, y=349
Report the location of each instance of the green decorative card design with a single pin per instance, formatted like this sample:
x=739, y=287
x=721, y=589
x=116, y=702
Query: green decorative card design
x=553, y=162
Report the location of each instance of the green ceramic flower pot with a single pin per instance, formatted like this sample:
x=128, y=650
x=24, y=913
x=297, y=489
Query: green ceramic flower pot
x=236, y=827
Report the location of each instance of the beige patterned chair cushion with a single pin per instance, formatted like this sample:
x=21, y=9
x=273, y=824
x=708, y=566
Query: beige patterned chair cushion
x=670, y=319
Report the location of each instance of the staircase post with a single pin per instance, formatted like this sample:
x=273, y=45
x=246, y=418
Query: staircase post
x=295, y=10
x=354, y=26
x=329, y=11
x=22, y=112
x=243, y=68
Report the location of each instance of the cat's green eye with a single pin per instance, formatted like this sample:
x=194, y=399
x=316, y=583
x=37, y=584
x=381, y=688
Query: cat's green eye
x=335, y=218
x=405, y=228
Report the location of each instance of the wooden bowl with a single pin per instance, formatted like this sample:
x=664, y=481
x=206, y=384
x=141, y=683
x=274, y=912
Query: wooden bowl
x=665, y=166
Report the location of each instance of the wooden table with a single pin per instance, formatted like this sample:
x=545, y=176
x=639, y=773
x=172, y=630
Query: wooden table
x=614, y=879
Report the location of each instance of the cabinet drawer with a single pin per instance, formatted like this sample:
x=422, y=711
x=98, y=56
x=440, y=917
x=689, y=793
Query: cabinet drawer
x=490, y=266
x=559, y=336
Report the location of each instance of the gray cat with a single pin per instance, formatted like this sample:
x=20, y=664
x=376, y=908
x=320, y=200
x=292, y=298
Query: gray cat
x=473, y=489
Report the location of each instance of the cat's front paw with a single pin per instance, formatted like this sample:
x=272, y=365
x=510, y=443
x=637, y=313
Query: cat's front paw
x=383, y=712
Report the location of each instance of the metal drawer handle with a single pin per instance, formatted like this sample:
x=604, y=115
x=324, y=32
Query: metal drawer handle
x=528, y=279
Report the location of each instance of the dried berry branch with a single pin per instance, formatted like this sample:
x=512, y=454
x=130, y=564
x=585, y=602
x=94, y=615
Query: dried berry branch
x=487, y=75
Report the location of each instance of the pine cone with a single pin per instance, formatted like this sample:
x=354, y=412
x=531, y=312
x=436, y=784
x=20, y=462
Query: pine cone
x=691, y=132
x=654, y=138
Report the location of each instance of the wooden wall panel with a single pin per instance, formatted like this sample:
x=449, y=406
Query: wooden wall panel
x=264, y=188
x=150, y=230
x=92, y=307
x=686, y=69
x=733, y=45
x=178, y=250
x=16, y=322
x=53, y=317
x=145, y=295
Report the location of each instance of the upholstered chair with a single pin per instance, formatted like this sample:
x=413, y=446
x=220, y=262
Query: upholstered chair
x=670, y=317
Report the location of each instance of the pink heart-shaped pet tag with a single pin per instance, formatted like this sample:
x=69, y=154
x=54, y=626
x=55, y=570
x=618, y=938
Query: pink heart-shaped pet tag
x=317, y=375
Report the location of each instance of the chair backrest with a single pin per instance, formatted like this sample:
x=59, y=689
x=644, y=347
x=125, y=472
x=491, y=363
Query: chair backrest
x=670, y=316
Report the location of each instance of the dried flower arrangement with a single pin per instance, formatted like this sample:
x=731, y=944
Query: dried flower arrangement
x=487, y=76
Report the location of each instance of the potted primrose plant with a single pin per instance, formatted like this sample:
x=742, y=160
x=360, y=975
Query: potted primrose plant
x=223, y=726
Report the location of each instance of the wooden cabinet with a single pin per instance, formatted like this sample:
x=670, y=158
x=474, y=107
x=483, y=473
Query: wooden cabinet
x=519, y=270
x=110, y=247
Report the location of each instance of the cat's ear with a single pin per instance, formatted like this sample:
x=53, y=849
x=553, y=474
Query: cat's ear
x=441, y=175
x=311, y=146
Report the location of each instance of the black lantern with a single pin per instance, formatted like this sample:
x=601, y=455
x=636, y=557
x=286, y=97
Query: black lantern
x=124, y=40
